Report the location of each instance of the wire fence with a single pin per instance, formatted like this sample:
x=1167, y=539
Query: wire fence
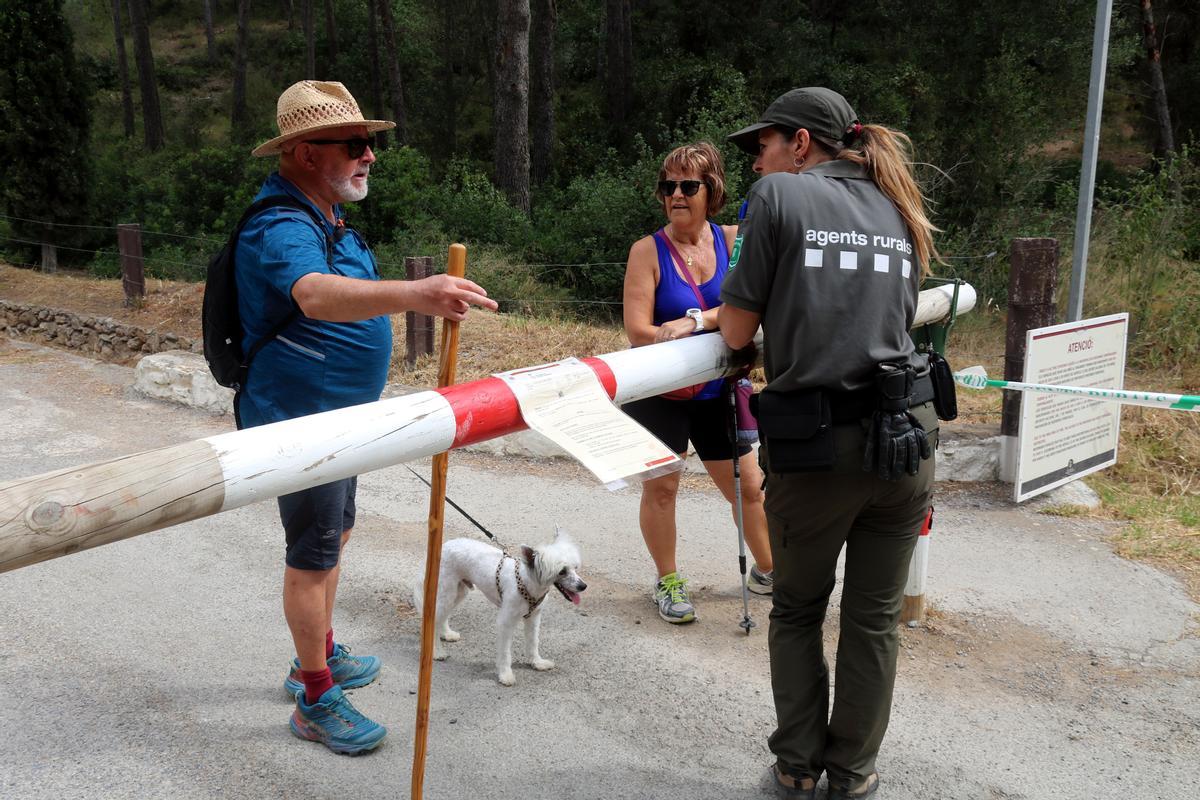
x=198, y=268
x=543, y=269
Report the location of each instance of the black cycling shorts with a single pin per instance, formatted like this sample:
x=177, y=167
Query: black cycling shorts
x=314, y=521
x=704, y=422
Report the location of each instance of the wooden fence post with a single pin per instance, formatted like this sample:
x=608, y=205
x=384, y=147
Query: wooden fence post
x=418, y=328
x=426, y=325
x=133, y=276
x=1032, y=283
x=49, y=251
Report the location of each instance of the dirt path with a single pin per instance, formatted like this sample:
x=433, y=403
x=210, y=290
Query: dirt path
x=1050, y=667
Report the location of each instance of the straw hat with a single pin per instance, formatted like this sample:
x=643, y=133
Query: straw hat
x=310, y=106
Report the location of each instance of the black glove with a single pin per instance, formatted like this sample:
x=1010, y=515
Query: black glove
x=896, y=442
x=743, y=361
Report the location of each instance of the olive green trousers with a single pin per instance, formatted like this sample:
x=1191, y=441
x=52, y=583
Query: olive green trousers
x=810, y=517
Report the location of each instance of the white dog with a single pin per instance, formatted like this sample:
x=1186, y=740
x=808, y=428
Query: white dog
x=516, y=585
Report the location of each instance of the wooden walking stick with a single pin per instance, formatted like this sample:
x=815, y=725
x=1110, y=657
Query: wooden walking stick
x=457, y=267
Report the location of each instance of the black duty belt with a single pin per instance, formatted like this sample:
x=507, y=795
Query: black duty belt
x=852, y=406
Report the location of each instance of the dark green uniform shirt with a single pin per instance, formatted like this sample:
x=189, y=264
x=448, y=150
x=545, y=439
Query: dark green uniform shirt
x=827, y=260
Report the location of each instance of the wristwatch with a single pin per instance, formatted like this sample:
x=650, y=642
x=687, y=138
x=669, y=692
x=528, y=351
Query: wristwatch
x=695, y=315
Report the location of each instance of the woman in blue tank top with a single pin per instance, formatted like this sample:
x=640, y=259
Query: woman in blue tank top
x=672, y=289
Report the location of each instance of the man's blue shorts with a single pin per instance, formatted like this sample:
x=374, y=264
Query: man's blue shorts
x=313, y=522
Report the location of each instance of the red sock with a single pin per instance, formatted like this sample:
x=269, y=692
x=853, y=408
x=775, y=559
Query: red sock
x=316, y=683
x=329, y=643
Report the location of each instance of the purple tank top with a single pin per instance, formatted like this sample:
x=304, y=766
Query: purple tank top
x=674, y=295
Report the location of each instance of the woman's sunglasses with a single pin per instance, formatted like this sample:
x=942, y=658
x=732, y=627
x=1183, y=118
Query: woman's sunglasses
x=689, y=188
x=354, y=147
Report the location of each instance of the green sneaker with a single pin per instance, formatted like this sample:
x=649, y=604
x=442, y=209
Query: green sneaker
x=760, y=582
x=671, y=597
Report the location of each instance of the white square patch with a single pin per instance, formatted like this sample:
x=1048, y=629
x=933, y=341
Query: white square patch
x=849, y=259
x=813, y=258
x=905, y=267
x=881, y=262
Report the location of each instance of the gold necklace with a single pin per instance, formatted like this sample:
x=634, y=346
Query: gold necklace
x=687, y=258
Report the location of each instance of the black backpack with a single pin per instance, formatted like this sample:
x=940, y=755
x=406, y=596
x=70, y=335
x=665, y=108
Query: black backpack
x=221, y=323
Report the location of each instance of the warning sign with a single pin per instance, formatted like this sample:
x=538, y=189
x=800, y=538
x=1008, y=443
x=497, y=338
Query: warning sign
x=1065, y=437
x=565, y=402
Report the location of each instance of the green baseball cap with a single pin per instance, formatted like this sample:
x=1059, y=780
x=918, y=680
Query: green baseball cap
x=824, y=113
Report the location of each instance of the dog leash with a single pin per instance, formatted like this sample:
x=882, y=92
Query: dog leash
x=460, y=510
x=533, y=604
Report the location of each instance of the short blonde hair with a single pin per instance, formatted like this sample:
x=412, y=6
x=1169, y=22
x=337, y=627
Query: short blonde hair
x=704, y=160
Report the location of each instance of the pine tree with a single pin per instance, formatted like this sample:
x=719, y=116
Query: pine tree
x=44, y=122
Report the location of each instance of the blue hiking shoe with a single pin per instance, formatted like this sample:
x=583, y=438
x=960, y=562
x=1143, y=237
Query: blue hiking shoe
x=349, y=672
x=335, y=723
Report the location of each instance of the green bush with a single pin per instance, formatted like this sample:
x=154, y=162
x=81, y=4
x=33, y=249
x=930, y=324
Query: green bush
x=469, y=208
x=399, y=201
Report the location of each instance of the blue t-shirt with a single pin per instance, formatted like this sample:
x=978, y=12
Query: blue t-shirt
x=674, y=296
x=312, y=365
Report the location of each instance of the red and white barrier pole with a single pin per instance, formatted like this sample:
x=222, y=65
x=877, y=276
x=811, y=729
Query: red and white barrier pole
x=912, y=611
x=61, y=512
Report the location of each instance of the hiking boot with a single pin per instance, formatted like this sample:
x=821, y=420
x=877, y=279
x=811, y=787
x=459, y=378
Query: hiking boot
x=790, y=788
x=671, y=596
x=856, y=790
x=760, y=582
x=348, y=672
x=335, y=723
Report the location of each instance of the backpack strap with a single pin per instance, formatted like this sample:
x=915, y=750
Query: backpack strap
x=256, y=208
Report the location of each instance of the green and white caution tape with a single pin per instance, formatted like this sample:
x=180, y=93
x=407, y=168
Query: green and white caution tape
x=976, y=378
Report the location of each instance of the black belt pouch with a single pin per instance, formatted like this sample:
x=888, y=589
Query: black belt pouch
x=797, y=430
x=945, y=397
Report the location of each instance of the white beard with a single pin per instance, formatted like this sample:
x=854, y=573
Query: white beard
x=346, y=190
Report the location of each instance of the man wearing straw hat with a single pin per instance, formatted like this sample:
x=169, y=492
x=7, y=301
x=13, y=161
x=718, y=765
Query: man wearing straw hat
x=322, y=284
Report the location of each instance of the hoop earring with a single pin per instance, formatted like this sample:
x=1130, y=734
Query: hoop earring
x=798, y=162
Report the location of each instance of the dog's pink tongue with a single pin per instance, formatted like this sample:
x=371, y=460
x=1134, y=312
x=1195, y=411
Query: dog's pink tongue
x=575, y=599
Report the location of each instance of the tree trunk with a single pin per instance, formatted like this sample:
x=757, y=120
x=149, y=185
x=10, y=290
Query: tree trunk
x=123, y=71
x=541, y=112
x=331, y=32
x=450, y=56
x=289, y=11
x=377, y=109
x=238, y=120
x=618, y=63
x=395, y=85
x=208, y=32
x=510, y=106
x=310, y=44
x=1162, y=111
x=152, y=124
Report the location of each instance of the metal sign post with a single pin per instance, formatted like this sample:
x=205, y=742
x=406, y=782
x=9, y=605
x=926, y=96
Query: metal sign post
x=1091, y=145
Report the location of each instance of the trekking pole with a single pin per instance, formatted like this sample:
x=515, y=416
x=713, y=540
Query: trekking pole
x=746, y=622
x=457, y=266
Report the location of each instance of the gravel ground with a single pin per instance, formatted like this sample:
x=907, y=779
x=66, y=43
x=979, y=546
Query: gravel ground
x=152, y=667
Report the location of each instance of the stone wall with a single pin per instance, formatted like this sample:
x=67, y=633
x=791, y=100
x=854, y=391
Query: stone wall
x=93, y=336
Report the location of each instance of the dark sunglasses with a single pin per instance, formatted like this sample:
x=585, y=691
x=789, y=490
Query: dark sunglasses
x=354, y=147
x=689, y=188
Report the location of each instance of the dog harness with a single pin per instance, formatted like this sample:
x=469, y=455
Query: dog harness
x=533, y=604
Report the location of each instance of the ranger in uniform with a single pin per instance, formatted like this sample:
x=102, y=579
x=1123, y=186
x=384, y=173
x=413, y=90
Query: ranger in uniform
x=828, y=259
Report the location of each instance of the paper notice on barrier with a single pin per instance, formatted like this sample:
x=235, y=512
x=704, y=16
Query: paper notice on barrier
x=565, y=402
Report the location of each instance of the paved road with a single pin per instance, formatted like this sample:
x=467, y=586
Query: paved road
x=151, y=668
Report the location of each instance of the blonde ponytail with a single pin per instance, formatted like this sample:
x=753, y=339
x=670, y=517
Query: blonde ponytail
x=887, y=156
